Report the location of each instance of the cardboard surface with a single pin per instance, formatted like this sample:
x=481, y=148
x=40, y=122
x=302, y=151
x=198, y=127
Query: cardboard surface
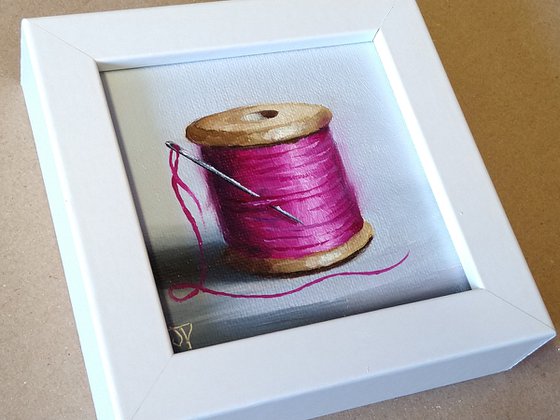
x=502, y=58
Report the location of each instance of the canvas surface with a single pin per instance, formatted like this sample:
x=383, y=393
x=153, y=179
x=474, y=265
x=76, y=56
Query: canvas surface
x=153, y=105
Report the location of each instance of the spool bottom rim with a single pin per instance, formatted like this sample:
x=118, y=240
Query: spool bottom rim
x=311, y=262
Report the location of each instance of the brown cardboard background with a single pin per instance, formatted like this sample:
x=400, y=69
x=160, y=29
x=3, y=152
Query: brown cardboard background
x=503, y=59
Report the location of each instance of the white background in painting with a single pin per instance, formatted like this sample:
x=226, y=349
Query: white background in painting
x=155, y=104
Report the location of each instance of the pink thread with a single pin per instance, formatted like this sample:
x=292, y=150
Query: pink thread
x=197, y=288
x=174, y=165
x=306, y=178
x=177, y=184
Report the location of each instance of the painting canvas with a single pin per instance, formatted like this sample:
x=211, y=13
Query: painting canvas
x=277, y=190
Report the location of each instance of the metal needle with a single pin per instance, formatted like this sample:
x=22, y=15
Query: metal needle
x=210, y=168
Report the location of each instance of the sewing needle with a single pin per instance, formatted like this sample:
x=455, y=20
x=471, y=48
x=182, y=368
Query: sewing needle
x=237, y=184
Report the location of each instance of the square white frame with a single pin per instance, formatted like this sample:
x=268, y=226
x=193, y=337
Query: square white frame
x=329, y=366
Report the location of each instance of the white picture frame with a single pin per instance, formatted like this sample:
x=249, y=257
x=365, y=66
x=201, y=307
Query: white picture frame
x=132, y=369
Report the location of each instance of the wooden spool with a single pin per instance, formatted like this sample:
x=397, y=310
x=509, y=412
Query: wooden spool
x=265, y=125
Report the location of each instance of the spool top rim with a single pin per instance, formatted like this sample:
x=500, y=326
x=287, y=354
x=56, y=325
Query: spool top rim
x=258, y=125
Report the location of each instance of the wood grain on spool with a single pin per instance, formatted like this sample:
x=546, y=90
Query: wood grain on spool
x=259, y=125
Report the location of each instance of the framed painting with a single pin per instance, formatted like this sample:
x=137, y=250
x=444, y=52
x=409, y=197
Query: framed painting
x=270, y=209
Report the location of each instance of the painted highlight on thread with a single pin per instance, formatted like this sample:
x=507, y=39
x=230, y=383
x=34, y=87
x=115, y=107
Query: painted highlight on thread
x=195, y=288
x=306, y=178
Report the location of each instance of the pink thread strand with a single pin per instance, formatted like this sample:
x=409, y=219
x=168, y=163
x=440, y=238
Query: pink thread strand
x=176, y=182
x=203, y=289
x=174, y=165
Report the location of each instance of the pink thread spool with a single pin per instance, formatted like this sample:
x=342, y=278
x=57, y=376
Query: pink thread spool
x=286, y=153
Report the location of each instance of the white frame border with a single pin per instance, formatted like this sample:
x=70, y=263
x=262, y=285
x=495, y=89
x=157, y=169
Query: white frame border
x=132, y=370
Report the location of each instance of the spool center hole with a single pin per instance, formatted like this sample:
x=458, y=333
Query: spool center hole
x=266, y=114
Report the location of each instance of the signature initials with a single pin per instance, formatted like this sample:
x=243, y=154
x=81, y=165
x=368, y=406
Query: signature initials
x=181, y=336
